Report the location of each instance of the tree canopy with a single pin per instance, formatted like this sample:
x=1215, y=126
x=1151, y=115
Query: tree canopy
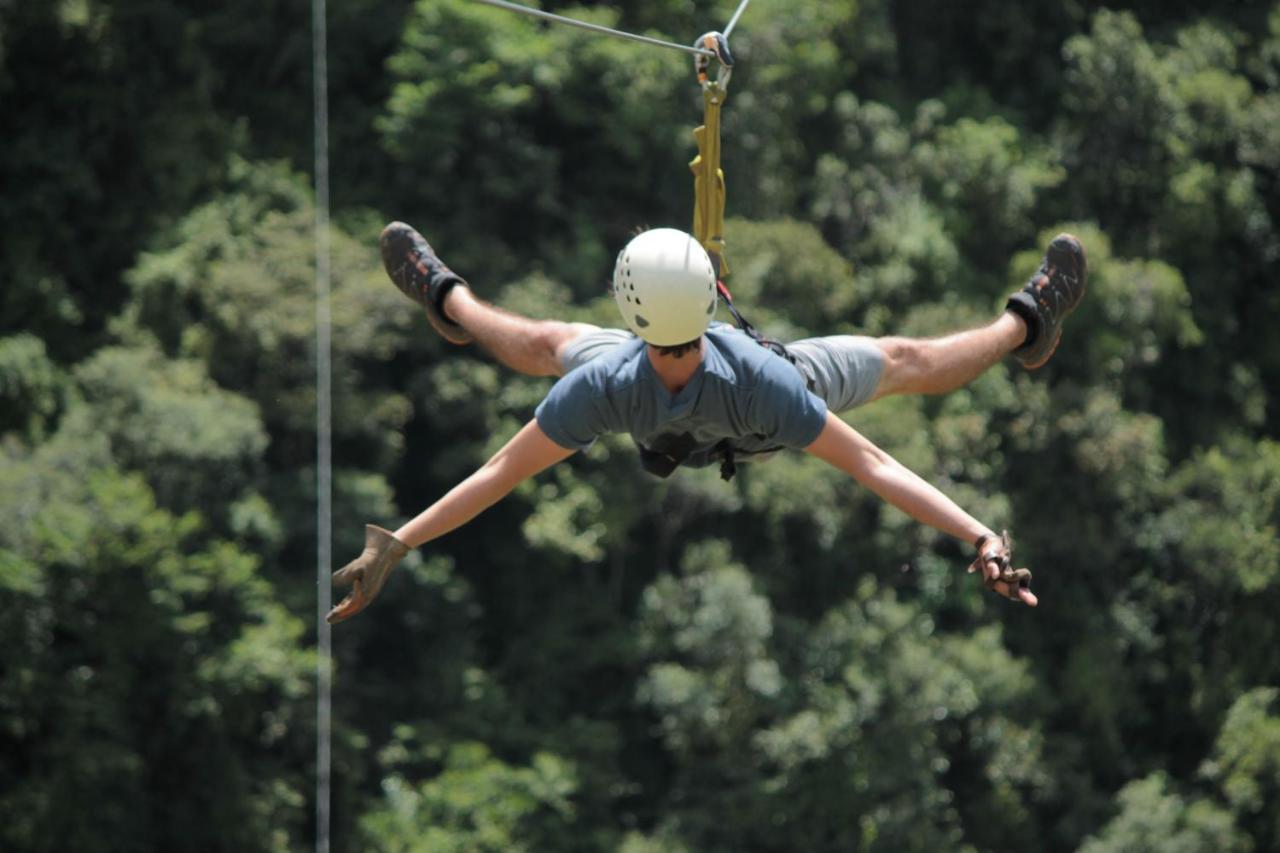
x=605, y=661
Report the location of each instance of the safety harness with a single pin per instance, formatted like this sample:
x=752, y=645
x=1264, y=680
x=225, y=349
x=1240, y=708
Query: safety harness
x=669, y=452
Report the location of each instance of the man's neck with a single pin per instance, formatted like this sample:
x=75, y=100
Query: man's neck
x=673, y=372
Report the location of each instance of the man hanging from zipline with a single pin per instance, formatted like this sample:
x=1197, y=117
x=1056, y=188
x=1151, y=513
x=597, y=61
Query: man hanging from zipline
x=694, y=393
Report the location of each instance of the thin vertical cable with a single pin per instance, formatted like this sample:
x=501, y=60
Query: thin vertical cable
x=324, y=426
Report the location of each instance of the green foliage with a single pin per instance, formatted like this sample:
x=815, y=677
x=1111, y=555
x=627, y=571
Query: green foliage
x=124, y=616
x=833, y=761
x=1246, y=763
x=789, y=282
x=234, y=288
x=1241, y=484
x=1122, y=101
x=476, y=803
x=1155, y=819
x=195, y=443
x=987, y=183
x=605, y=661
x=146, y=140
x=32, y=388
x=480, y=93
x=778, y=112
x=925, y=205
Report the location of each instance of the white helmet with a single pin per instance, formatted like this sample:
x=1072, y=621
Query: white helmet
x=665, y=286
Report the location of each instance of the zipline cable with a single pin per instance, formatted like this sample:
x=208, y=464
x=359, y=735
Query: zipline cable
x=733, y=22
x=324, y=425
x=597, y=28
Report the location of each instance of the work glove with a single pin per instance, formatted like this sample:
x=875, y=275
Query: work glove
x=367, y=573
x=995, y=562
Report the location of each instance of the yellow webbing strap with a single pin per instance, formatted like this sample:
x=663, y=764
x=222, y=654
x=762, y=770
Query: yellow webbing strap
x=708, y=180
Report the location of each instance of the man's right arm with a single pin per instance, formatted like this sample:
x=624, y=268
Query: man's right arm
x=527, y=453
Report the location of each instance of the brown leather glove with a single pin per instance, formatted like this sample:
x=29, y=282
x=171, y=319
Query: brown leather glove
x=995, y=562
x=367, y=573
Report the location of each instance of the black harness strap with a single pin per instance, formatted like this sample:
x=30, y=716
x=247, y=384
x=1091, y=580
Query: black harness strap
x=666, y=454
x=752, y=332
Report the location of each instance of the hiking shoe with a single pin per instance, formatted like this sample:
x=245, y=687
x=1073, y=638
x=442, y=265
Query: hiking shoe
x=417, y=270
x=1046, y=300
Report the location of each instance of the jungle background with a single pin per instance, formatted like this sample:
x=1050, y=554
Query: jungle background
x=606, y=661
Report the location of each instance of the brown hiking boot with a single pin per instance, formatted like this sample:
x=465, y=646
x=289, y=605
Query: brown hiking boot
x=417, y=270
x=1046, y=300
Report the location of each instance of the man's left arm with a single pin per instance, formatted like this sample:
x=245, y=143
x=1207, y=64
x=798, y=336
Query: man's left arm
x=845, y=448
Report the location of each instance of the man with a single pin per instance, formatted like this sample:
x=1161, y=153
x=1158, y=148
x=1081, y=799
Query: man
x=693, y=393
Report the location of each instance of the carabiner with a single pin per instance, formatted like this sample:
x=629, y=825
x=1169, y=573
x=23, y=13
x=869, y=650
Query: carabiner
x=718, y=44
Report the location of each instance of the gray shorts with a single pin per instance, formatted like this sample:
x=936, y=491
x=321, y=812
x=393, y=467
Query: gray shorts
x=844, y=370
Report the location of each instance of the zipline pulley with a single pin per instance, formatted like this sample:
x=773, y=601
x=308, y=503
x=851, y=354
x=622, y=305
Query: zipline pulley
x=716, y=43
x=708, y=177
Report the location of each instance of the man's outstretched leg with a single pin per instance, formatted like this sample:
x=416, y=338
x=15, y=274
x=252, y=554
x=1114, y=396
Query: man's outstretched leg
x=1029, y=329
x=940, y=365
x=534, y=347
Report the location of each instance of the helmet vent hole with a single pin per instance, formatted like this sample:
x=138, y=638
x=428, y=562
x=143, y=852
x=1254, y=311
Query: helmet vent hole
x=642, y=322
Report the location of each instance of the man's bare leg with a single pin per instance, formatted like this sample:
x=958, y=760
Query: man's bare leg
x=533, y=347
x=1030, y=328
x=939, y=365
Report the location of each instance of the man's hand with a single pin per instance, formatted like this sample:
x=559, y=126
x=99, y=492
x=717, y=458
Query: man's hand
x=367, y=573
x=995, y=561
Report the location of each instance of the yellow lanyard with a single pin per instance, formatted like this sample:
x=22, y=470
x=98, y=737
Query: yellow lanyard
x=708, y=177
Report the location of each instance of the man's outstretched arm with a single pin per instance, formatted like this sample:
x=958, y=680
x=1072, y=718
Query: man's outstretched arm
x=844, y=447
x=527, y=453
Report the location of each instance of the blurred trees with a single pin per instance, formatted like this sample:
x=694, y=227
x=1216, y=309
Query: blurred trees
x=606, y=661
x=156, y=692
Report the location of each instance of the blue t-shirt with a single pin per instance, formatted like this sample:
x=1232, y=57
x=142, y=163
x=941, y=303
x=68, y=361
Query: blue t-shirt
x=741, y=392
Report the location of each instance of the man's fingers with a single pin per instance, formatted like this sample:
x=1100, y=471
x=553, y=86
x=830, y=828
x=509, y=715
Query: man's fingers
x=345, y=575
x=339, y=611
x=998, y=575
x=349, y=606
x=1015, y=592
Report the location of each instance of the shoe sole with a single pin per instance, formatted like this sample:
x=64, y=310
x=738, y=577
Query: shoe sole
x=1043, y=361
x=397, y=256
x=1079, y=254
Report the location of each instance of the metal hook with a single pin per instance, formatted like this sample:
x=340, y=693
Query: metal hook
x=718, y=44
